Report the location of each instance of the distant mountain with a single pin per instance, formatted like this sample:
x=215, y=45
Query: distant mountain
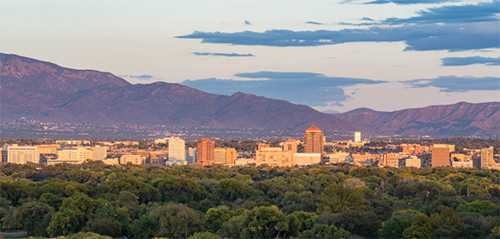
x=44, y=91
x=459, y=119
x=48, y=92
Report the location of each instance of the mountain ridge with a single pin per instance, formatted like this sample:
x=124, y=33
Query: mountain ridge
x=46, y=91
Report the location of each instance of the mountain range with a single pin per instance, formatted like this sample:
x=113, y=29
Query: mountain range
x=47, y=92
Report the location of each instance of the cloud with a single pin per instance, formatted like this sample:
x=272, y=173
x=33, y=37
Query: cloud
x=408, y=2
x=482, y=12
x=141, y=77
x=247, y=22
x=451, y=37
x=457, y=84
x=314, y=23
x=299, y=87
x=222, y=54
x=465, y=61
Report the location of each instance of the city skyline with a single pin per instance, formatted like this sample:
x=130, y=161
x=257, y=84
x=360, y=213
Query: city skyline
x=332, y=56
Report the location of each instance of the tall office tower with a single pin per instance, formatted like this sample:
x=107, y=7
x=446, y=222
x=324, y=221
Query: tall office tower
x=487, y=160
x=20, y=154
x=357, y=137
x=177, y=149
x=313, y=140
x=220, y=155
x=191, y=155
x=440, y=156
x=205, y=152
x=290, y=145
x=231, y=155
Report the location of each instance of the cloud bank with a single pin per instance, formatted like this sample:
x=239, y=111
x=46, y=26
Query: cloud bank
x=482, y=12
x=222, y=54
x=453, y=37
x=465, y=61
x=307, y=88
x=458, y=84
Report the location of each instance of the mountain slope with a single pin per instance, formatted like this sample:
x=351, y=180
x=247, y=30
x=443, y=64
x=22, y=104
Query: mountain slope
x=458, y=119
x=45, y=91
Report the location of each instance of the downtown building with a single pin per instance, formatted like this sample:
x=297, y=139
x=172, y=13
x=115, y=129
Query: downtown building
x=20, y=154
x=205, y=152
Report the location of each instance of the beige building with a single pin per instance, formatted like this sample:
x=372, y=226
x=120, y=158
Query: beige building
x=231, y=155
x=413, y=161
x=20, y=154
x=303, y=159
x=134, y=159
x=487, y=160
x=390, y=160
x=273, y=156
x=99, y=153
x=220, y=155
x=48, y=148
x=313, y=140
x=337, y=157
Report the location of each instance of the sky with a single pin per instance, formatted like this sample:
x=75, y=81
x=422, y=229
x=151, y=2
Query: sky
x=334, y=56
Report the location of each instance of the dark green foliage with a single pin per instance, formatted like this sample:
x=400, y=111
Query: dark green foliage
x=207, y=202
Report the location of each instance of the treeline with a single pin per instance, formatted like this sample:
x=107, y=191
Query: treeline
x=320, y=201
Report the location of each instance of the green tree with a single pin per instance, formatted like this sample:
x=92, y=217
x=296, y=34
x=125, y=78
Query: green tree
x=34, y=217
x=393, y=228
x=233, y=228
x=269, y=222
x=337, y=198
x=75, y=212
x=175, y=220
x=215, y=217
x=420, y=227
x=205, y=235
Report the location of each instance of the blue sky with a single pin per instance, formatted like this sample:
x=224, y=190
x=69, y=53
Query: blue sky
x=334, y=56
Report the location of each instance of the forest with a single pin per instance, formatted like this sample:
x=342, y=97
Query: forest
x=322, y=201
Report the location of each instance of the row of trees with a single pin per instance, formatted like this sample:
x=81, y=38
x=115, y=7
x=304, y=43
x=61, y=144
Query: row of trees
x=320, y=201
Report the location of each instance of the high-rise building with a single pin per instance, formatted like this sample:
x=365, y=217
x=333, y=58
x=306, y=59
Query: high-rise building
x=313, y=140
x=390, y=160
x=220, y=155
x=191, y=155
x=177, y=149
x=440, y=156
x=20, y=154
x=76, y=155
x=357, y=137
x=205, y=152
x=231, y=155
x=487, y=160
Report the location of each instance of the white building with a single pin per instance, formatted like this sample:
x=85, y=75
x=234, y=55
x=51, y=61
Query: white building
x=177, y=149
x=357, y=137
x=20, y=154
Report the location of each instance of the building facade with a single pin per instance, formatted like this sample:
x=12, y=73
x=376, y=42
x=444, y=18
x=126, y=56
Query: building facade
x=487, y=160
x=205, y=152
x=20, y=154
x=313, y=140
x=177, y=149
x=440, y=156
